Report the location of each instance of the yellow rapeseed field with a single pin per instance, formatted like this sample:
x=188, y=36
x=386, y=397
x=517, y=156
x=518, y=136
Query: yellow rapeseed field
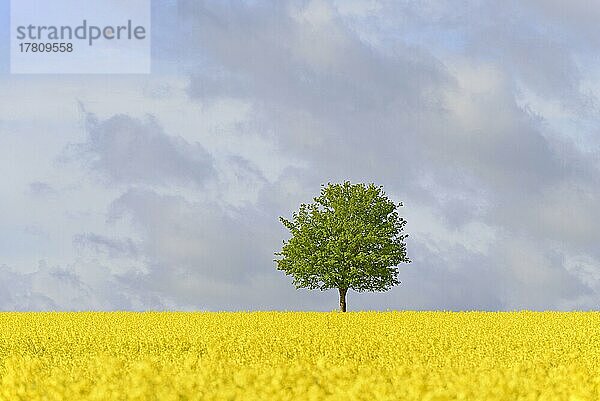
x=300, y=356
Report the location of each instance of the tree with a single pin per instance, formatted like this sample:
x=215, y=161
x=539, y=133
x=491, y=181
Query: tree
x=349, y=238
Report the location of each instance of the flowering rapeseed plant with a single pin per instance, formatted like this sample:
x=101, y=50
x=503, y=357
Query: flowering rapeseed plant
x=300, y=356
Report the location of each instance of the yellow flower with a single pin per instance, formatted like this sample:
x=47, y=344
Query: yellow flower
x=300, y=356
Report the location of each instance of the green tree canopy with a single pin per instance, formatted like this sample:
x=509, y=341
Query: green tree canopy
x=350, y=237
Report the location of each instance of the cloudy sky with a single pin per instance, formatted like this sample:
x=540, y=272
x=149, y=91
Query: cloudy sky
x=163, y=191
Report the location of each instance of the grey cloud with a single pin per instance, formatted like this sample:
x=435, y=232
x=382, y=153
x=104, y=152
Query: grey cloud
x=330, y=110
x=82, y=286
x=534, y=58
x=126, y=150
x=41, y=189
x=577, y=21
x=318, y=86
x=47, y=288
x=113, y=247
x=458, y=279
x=355, y=111
x=16, y=293
x=197, y=238
x=536, y=277
x=536, y=43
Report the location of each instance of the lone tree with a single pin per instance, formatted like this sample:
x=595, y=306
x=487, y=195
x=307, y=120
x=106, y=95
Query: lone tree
x=349, y=238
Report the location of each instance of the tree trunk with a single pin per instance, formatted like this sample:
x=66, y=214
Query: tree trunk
x=343, y=299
